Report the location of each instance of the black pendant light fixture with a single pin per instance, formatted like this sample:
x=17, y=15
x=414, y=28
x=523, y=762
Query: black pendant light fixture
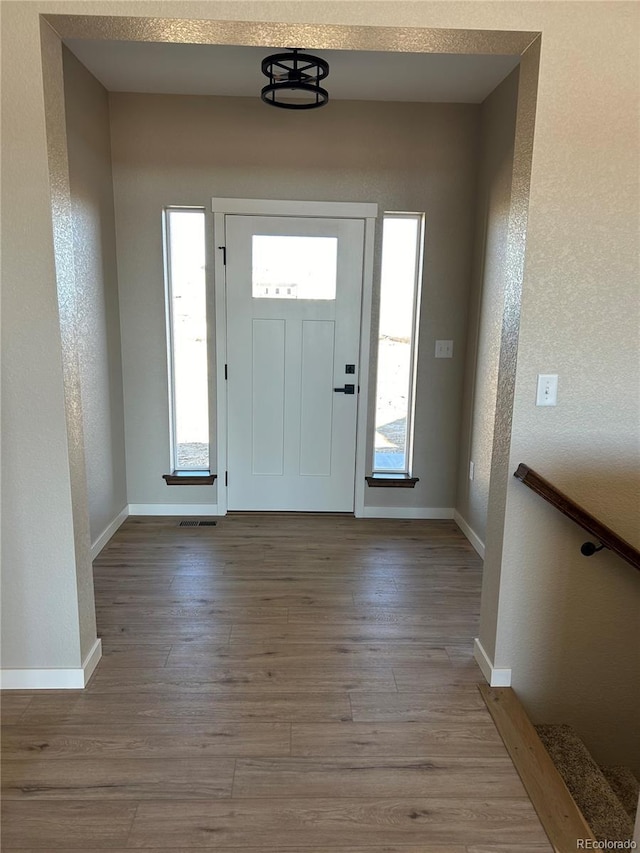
x=297, y=75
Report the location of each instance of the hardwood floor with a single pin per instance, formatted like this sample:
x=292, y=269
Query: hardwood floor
x=276, y=683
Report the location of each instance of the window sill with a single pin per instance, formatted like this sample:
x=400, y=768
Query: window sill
x=392, y=481
x=190, y=478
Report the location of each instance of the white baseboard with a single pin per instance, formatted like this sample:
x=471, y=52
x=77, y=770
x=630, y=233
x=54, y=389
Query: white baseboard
x=407, y=512
x=495, y=677
x=471, y=535
x=75, y=678
x=91, y=661
x=108, y=532
x=173, y=509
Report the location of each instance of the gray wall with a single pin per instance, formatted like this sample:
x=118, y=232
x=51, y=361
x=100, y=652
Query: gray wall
x=89, y=146
x=488, y=281
x=183, y=150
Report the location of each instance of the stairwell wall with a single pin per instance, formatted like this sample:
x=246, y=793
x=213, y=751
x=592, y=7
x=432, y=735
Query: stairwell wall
x=486, y=304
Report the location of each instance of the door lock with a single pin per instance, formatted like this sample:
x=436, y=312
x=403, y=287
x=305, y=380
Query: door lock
x=348, y=389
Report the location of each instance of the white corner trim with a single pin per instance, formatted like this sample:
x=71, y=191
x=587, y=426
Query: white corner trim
x=108, y=532
x=471, y=535
x=75, y=678
x=495, y=677
x=365, y=344
x=173, y=509
x=280, y=207
x=91, y=661
x=407, y=512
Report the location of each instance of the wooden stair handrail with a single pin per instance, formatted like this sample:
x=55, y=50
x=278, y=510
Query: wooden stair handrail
x=605, y=535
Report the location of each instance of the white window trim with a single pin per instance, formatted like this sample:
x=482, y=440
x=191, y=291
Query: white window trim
x=415, y=333
x=168, y=290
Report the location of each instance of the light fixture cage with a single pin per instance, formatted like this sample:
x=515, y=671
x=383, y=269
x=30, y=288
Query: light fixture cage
x=296, y=72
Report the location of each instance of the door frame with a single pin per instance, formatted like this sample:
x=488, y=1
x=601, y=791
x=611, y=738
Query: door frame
x=221, y=207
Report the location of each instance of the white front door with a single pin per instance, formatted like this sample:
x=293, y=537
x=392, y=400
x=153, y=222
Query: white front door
x=293, y=330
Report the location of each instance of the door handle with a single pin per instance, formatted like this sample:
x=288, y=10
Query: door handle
x=348, y=389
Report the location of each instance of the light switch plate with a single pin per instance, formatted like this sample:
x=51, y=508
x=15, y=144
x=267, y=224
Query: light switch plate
x=444, y=349
x=547, y=393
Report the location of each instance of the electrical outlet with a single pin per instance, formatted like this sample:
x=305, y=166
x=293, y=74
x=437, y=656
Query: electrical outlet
x=471, y=470
x=444, y=349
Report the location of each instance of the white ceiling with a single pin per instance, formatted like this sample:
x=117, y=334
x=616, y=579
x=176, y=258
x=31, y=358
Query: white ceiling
x=185, y=69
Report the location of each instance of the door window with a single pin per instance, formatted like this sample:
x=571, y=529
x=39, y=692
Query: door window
x=287, y=267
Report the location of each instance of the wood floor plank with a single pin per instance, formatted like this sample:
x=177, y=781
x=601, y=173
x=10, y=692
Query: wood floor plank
x=425, y=586
x=52, y=706
x=232, y=678
x=131, y=584
x=350, y=566
x=304, y=654
x=413, y=618
x=157, y=568
x=109, y=615
x=66, y=825
x=456, y=703
x=390, y=547
x=167, y=630
x=411, y=677
x=384, y=740
x=333, y=823
x=289, y=583
x=434, y=776
x=510, y=848
x=352, y=632
x=460, y=654
x=12, y=706
x=145, y=740
x=467, y=597
x=122, y=654
x=176, y=708
x=387, y=848
x=244, y=596
x=116, y=779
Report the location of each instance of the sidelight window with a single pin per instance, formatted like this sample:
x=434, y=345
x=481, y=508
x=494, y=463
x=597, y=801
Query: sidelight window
x=185, y=283
x=402, y=247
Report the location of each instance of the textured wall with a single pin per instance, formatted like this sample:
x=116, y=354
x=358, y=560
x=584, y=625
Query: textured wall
x=497, y=126
x=88, y=140
x=568, y=626
x=183, y=150
x=572, y=652
x=42, y=564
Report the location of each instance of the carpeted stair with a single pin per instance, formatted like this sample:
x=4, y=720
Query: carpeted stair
x=606, y=797
x=625, y=786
